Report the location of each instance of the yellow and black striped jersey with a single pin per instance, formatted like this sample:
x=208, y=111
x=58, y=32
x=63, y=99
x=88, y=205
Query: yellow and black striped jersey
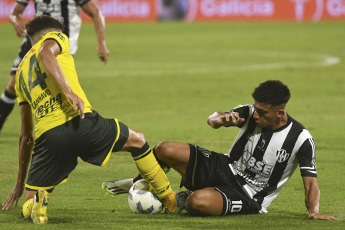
x=50, y=106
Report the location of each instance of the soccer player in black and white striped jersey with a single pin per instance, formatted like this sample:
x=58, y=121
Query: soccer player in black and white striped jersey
x=69, y=13
x=264, y=155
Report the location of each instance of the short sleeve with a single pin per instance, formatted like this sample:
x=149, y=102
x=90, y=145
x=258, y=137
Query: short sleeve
x=243, y=112
x=60, y=38
x=23, y=2
x=20, y=97
x=306, y=159
x=81, y=2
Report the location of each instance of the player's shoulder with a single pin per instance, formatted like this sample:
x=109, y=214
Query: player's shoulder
x=58, y=36
x=296, y=123
x=300, y=128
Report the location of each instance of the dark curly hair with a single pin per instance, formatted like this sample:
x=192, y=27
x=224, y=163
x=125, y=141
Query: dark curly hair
x=272, y=92
x=42, y=22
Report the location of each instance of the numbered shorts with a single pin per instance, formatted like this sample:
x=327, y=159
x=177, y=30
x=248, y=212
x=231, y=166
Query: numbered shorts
x=56, y=151
x=210, y=169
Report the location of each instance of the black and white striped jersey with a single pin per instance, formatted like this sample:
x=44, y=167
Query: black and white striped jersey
x=66, y=11
x=264, y=160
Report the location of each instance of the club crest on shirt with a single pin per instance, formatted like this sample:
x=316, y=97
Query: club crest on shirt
x=282, y=155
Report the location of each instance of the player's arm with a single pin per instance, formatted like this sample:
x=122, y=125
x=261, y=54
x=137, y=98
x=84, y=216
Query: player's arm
x=26, y=142
x=16, y=19
x=312, y=199
x=50, y=49
x=92, y=9
x=219, y=119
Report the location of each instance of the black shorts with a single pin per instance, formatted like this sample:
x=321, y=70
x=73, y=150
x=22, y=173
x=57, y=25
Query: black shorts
x=210, y=169
x=24, y=48
x=56, y=151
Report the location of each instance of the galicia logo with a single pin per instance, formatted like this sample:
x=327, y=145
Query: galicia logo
x=229, y=8
x=211, y=8
x=282, y=155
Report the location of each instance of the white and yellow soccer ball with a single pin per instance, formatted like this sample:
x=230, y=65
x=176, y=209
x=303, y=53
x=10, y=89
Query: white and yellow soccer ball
x=142, y=200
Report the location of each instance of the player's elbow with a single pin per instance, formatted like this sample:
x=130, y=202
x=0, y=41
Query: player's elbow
x=97, y=13
x=213, y=119
x=26, y=137
x=213, y=124
x=93, y=11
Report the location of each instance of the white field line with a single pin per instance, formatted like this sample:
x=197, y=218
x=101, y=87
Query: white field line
x=310, y=60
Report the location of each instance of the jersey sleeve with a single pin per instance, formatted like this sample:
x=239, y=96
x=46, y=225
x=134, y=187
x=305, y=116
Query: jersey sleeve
x=81, y=2
x=243, y=111
x=20, y=97
x=23, y=2
x=306, y=158
x=60, y=38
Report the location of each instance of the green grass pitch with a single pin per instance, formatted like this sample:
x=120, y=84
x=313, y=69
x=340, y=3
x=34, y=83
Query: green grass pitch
x=165, y=79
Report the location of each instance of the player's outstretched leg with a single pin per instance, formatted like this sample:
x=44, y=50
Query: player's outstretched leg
x=117, y=187
x=150, y=170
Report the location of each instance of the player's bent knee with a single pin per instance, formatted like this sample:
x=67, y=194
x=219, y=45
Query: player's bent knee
x=203, y=203
x=163, y=148
x=137, y=139
x=196, y=203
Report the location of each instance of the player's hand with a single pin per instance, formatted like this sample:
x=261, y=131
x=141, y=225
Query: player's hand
x=317, y=216
x=77, y=102
x=16, y=193
x=103, y=53
x=19, y=27
x=230, y=119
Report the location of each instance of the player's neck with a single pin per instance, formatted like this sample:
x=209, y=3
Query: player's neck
x=280, y=123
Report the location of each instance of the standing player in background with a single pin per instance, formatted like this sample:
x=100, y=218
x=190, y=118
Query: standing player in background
x=66, y=128
x=66, y=11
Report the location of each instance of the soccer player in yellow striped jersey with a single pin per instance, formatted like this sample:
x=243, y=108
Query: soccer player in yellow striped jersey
x=66, y=127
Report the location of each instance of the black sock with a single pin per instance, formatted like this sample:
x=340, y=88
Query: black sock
x=139, y=177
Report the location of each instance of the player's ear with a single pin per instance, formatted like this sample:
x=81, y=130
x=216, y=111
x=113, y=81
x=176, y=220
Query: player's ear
x=280, y=113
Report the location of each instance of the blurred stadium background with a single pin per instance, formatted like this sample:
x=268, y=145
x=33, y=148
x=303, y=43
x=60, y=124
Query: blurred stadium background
x=209, y=10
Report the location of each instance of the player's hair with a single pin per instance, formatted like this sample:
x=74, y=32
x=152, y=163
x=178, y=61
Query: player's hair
x=42, y=22
x=272, y=92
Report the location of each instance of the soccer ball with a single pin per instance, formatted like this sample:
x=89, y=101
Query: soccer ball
x=142, y=200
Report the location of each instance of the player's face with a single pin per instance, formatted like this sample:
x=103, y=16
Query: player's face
x=265, y=115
